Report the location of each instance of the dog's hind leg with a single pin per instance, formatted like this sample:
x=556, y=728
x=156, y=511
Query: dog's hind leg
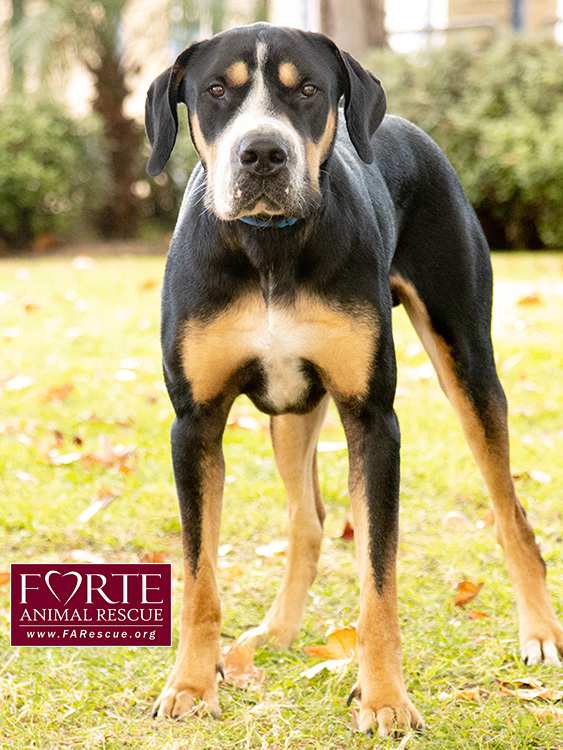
x=295, y=448
x=463, y=358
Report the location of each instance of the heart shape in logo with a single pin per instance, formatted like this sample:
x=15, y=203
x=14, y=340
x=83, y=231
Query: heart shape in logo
x=63, y=575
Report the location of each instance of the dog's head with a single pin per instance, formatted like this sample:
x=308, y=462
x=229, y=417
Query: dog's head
x=262, y=106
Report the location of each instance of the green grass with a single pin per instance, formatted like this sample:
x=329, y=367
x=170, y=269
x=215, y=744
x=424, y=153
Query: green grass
x=60, y=325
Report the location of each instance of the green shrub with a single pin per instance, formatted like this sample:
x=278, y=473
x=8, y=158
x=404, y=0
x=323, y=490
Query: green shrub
x=498, y=116
x=52, y=171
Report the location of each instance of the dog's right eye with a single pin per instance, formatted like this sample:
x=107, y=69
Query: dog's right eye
x=217, y=91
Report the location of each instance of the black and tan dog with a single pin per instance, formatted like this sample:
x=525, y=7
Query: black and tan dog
x=300, y=229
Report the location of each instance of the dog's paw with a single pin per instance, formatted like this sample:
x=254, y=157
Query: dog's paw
x=395, y=719
x=541, y=642
x=181, y=699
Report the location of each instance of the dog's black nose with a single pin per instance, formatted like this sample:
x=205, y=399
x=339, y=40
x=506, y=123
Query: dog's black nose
x=262, y=155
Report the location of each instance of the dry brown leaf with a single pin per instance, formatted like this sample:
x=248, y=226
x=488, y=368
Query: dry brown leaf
x=148, y=285
x=354, y=723
x=108, y=454
x=272, y=552
x=476, y=614
x=348, y=531
x=486, y=520
x=534, y=298
x=466, y=591
x=153, y=557
x=454, y=519
x=58, y=393
x=238, y=666
x=547, y=715
x=471, y=693
x=529, y=689
x=340, y=644
x=4, y=579
x=229, y=571
x=102, y=499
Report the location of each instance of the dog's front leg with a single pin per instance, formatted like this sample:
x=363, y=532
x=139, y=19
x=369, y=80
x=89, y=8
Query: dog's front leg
x=199, y=475
x=373, y=441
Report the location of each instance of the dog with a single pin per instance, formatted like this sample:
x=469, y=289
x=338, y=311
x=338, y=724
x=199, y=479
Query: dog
x=301, y=227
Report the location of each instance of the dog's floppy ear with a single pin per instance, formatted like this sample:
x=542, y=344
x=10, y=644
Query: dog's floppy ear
x=161, y=111
x=364, y=104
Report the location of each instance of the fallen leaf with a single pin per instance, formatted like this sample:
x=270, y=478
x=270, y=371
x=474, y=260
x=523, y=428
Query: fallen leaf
x=224, y=549
x=125, y=376
x=476, y=614
x=454, y=519
x=153, y=557
x=534, y=298
x=238, y=666
x=4, y=579
x=58, y=393
x=23, y=476
x=548, y=715
x=540, y=476
x=148, y=284
x=58, y=459
x=354, y=723
x=486, y=520
x=471, y=692
x=229, y=571
x=108, y=454
x=273, y=551
x=18, y=382
x=466, y=591
x=340, y=644
x=348, y=531
x=102, y=499
x=529, y=689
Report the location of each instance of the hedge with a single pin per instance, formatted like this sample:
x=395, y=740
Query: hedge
x=498, y=116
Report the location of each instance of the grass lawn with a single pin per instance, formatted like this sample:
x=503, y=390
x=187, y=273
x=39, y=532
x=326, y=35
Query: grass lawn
x=80, y=372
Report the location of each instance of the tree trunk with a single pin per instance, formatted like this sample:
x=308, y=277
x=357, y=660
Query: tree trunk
x=355, y=25
x=120, y=217
x=16, y=60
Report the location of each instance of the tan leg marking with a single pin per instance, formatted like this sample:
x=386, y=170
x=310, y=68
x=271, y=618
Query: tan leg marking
x=288, y=75
x=340, y=344
x=538, y=626
x=194, y=675
x=237, y=73
x=316, y=152
x=295, y=447
x=380, y=686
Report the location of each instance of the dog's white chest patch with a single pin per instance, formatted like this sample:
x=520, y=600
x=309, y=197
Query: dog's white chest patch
x=281, y=344
x=282, y=338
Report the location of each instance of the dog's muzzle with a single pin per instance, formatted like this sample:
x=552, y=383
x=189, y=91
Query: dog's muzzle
x=263, y=156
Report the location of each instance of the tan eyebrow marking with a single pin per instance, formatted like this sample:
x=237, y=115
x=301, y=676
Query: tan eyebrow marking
x=288, y=74
x=237, y=73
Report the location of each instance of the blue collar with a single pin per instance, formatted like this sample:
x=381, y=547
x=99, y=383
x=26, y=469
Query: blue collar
x=273, y=224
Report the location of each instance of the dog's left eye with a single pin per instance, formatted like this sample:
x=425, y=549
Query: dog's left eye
x=309, y=90
x=217, y=91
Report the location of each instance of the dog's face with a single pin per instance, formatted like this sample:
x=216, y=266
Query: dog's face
x=262, y=105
